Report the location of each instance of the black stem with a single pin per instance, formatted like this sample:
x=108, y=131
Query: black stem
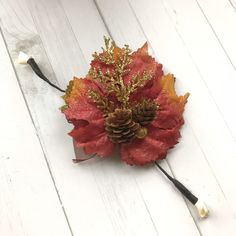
x=192, y=198
x=40, y=74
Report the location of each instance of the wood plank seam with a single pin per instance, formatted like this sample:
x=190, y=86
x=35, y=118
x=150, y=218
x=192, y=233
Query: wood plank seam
x=232, y=4
x=149, y=213
x=78, y=45
x=103, y=19
x=199, y=72
x=196, y=66
x=216, y=35
x=189, y=206
x=39, y=140
x=209, y=166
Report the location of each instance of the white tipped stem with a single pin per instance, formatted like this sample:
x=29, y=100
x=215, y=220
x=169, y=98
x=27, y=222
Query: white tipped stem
x=202, y=209
x=23, y=58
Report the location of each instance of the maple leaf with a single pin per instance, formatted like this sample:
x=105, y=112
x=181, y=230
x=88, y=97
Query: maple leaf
x=121, y=79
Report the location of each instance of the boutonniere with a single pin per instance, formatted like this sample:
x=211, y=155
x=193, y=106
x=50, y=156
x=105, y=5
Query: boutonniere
x=125, y=102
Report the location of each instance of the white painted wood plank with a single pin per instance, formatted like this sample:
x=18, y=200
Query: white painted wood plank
x=218, y=74
x=29, y=204
x=221, y=16
x=58, y=40
x=233, y=4
x=81, y=187
x=87, y=25
x=166, y=43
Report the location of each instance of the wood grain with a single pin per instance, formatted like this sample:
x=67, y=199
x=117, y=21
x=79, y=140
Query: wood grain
x=105, y=196
x=29, y=204
x=221, y=17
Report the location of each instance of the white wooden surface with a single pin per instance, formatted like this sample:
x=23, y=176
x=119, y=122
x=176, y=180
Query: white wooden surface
x=43, y=192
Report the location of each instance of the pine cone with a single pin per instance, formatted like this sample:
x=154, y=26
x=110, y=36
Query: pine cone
x=145, y=112
x=120, y=126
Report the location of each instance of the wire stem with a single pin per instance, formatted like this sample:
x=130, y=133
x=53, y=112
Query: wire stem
x=192, y=198
x=40, y=74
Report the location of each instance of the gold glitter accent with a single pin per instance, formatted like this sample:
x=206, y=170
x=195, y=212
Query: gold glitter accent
x=102, y=102
x=112, y=79
x=141, y=133
x=108, y=55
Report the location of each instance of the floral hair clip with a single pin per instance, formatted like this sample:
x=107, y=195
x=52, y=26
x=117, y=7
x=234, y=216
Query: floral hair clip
x=125, y=102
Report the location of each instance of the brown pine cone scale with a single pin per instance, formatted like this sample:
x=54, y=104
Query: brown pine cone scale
x=145, y=112
x=120, y=127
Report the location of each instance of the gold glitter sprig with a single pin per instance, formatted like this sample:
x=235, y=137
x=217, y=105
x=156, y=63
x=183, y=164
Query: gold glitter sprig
x=108, y=55
x=103, y=78
x=112, y=55
x=102, y=102
x=112, y=79
x=138, y=81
